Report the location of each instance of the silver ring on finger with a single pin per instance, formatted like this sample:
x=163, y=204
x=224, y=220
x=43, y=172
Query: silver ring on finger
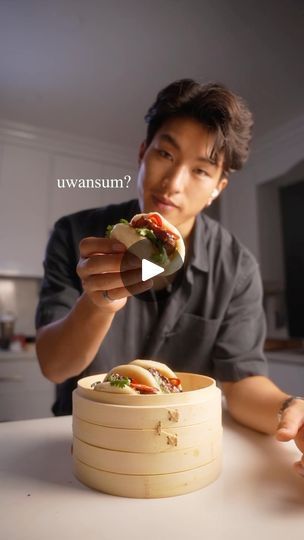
x=106, y=296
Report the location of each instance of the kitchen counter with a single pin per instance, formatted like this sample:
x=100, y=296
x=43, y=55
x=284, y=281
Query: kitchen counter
x=6, y=355
x=258, y=495
x=24, y=392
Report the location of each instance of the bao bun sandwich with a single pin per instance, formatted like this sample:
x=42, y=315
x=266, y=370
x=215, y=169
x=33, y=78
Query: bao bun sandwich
x=140, y=377
x=150, y=236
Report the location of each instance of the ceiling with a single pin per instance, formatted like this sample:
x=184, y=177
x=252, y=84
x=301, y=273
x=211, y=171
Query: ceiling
x=92, y=68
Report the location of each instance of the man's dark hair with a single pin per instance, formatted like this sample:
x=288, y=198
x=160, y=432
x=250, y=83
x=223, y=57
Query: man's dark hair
x=223, y=113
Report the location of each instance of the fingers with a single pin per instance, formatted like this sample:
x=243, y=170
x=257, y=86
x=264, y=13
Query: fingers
x=137, y=288
x=299, y=439
x=106, y=265
x=299, y=467
x=119, y=294
x=109, y=281
x=97, y=264
x=290, y=423
x=90, y=245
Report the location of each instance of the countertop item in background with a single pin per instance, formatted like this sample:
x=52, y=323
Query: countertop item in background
x=19, y=343
x=20, y=296
x=7, y=326
x=283, y=344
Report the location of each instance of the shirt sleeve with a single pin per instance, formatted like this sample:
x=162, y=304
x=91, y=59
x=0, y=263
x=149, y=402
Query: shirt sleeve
x=238, y=352
x=61, y=286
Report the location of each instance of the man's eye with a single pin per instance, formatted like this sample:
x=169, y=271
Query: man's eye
x=201, y=172
x=164, y=154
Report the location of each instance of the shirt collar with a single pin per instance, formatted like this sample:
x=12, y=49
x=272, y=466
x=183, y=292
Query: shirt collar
x=199, y=255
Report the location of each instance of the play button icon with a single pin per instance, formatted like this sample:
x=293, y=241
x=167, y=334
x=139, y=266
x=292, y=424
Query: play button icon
x=149, y=270
x=137, y=269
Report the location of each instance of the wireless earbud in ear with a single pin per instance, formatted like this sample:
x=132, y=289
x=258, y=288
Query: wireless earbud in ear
x=215, y=193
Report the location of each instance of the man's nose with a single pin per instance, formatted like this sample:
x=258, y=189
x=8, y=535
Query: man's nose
x=176, y=178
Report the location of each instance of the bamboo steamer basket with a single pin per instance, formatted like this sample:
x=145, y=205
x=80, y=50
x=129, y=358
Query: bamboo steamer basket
x=145, y=463
x=144, y=440
x=147, y=487
x=147, y=446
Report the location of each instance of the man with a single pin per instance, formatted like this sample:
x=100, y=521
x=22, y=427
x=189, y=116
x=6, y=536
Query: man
x=89, y=320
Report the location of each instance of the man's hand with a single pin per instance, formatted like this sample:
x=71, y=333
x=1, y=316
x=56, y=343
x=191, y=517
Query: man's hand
x=255, y=402
x=291, y=426
x=99, y=269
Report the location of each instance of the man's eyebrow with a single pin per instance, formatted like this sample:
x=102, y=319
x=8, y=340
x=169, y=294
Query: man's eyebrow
x=168, y=138
x=210, y=160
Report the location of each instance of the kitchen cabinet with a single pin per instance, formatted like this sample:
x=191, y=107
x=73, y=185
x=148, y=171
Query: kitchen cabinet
x=24, y=392
x=23, y=209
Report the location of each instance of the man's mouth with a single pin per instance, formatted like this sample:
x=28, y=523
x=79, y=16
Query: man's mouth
x=163, y=202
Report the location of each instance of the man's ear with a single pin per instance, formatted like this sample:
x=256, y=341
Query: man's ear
x=223, y=183
x=142, y=150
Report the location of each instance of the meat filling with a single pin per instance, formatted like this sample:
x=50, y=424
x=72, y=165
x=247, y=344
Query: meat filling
x=165, y=384
x=167, y=238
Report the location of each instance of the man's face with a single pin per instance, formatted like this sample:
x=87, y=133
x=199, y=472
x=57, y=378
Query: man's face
x=176, y=178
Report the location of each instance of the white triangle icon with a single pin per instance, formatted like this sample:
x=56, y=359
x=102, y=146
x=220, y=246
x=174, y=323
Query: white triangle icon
x=149, y=270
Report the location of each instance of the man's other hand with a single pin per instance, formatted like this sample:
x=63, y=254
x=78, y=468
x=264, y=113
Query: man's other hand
x=291, y=426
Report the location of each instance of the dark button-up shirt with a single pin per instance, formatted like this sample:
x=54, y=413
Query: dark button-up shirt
x=212, y=323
